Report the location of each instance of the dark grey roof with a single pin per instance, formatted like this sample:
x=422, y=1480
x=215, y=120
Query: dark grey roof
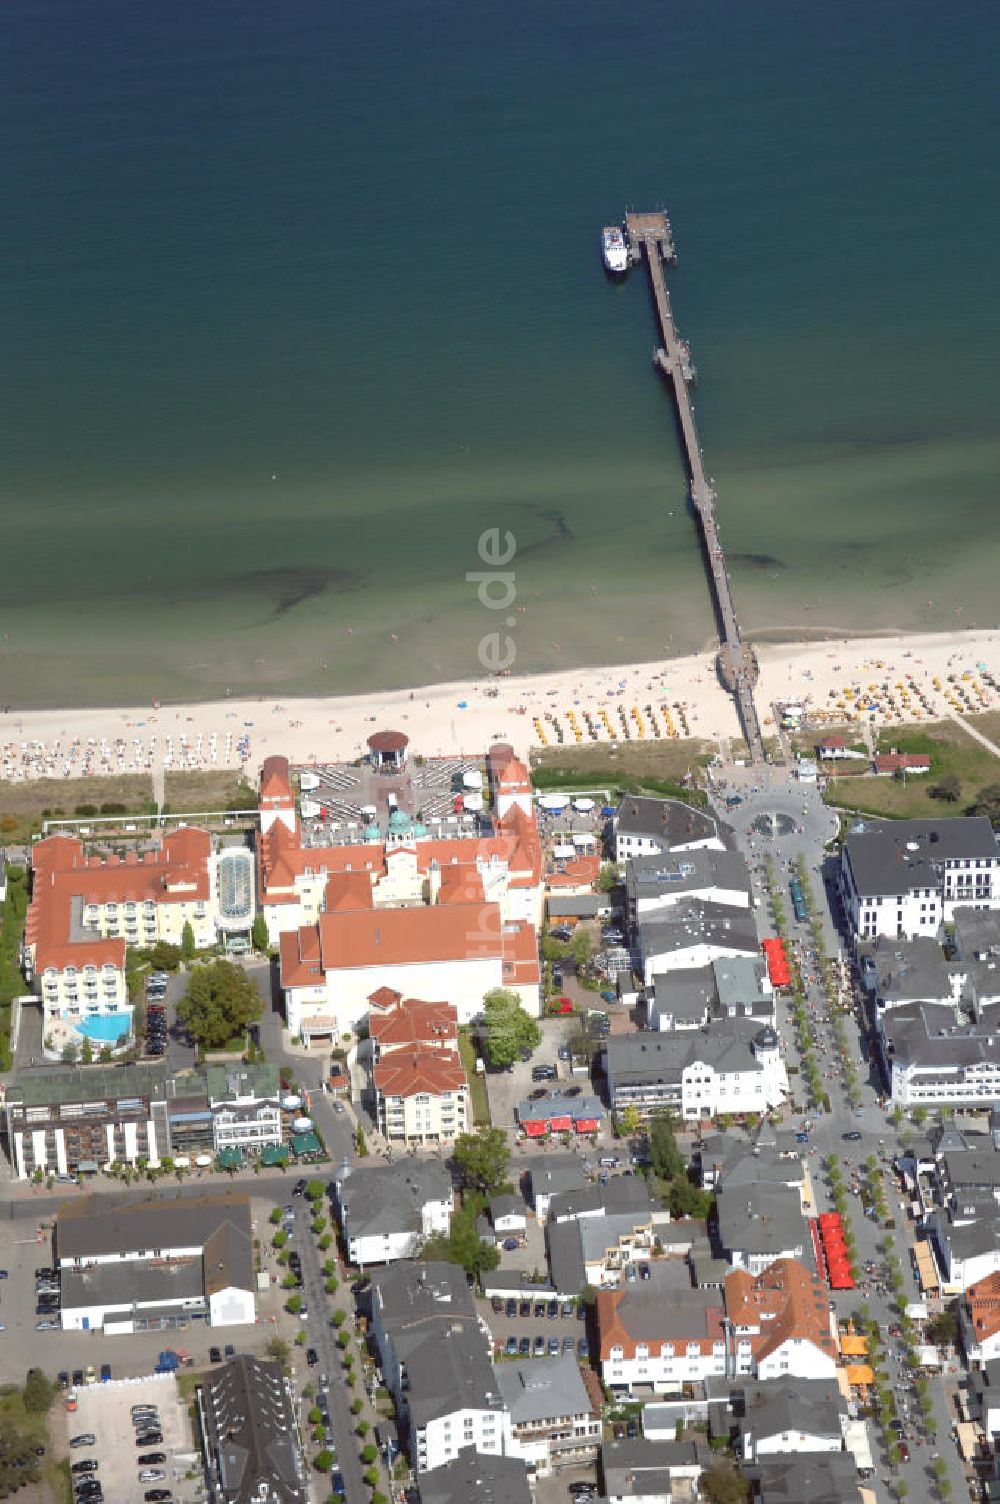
x=622, y=1193
x=977, y=1168
x=132, y=1283
x=409, y=1294
x=687, y=994
x=446, y=1375
x=813, y=1406
x=901, y=855
x=967, y=1239
x=96, y=1083
x=638, y=1058
x=477, y=1478
x=377, y=1199
x=807, y=1478
x=647, y=1467
x=977, y=933
x=694, y=921
x=507, y=1205
x=107, y=1224
x=251, y=1439
x=929, y=1036
x=649, y=877
x=761, y=1220
x=735, y=1161
x=543, y=1389
x=565, y=1249
x=666, y=820
x=553, y=1173
x=583, y=906
x=908, y=970
x=667, y=1313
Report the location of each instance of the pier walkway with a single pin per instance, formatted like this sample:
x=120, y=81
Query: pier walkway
x=737, y=662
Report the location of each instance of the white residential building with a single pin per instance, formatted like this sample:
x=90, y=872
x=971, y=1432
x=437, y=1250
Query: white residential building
x=647, y=827
x=907, y=877
x=387, y=1211
x=734, y=1067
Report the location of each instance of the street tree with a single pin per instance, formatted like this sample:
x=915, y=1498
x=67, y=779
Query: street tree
x=630, y=1120
x=188, y=946
x=220, y=1003
x=509, y=1029
x=482, y=1159
x=259, y=937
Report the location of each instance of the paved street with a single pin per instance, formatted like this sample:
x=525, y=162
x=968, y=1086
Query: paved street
x=787, y=821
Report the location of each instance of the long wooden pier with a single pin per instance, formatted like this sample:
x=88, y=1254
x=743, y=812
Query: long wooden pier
x=737, y=662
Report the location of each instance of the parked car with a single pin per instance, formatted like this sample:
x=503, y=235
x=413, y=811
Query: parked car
x=583, y=1348
x=511, y=1243
x=539, y=1347
x=553, y=1347
x=337, y=1484
x=152, y=1475
x=150, y=1459
x=105, y=1373
x=644, y=1271
x=149, y=1439
x=568, y=1344
x=524, y=1309
x=312, y=1357
x=215, y=1354
x=497, y=1304
x=631, y=1428
x=552, y=1310
x=511, y=1348
x=157, y=1495
x=299, y=1188
x=86, y=1465
x=510, y=1308
x=524, y=1347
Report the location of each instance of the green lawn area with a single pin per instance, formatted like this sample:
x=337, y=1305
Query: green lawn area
x=13, y=1416
x=477, y=1083
x=953, y=753
x=632, y=767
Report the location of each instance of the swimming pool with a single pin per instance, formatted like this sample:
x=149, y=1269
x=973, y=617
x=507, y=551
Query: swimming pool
x=107, y=1027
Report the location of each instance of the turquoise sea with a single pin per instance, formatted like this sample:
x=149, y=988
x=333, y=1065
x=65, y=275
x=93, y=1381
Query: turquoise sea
x=297, y=300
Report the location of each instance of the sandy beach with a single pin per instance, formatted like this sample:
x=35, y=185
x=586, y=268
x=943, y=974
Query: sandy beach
x=908, y=678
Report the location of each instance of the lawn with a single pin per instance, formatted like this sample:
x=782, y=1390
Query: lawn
x=657, y=767
x=208, y=790
x=953, y=754
x=23, y=806
x=477, y=1083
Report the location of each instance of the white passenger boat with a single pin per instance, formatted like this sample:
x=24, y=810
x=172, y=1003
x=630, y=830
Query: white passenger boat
x=614, y=250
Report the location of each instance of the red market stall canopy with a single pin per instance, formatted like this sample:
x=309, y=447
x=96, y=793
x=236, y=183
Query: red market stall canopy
x=777, y=963
x=586, y=1125
x=830, y=1219
x=536, y=1129
x=561, y=1125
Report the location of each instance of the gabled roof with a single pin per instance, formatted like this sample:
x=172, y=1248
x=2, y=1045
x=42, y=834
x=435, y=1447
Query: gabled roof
x=651, y=1313
x=786, y=1303
x=412, y=1072
x=413, y=1022
x=252, y=1434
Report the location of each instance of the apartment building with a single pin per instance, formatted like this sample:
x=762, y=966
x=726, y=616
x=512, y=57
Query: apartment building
x=651, y=827
x=731, y=1067
x=660, y=1334
x=779, y=1323
x=252, y=1448
x=386, y=1211
x=906, y=878
x=421, y=1096
x=550, y=1420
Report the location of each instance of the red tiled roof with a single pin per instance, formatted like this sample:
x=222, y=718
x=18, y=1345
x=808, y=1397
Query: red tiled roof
x=388, y=741
x=832, y=744
x=400, y=937
x=275, y=780
x=301, y=964
x=413, y=1022
x=405, y=1073
x=61, y=872
x=579, y=872
x=616, y=1310
x=461, y=884
x=891, y=762
x=983, y=1299
x=520, y=955
x=385, y=997
x=787, y=1302
x=348, y=890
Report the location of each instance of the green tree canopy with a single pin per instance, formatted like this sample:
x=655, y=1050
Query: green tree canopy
x=188, y=946
x=630, y=1120
x=665, y=1158
x=942, y=1328
x=482, y=1159
x=220, y=1002
x=509, y=1030
x=259, y=937
x=462, y=1245
x=722, y=1484
x=39, y=1392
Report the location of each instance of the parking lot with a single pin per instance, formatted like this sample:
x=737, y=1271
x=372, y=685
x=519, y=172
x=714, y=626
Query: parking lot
x=534, y=1327
x=104, y=1410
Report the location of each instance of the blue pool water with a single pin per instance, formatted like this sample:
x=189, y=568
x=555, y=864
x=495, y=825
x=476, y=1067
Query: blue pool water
x=107, y=1028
